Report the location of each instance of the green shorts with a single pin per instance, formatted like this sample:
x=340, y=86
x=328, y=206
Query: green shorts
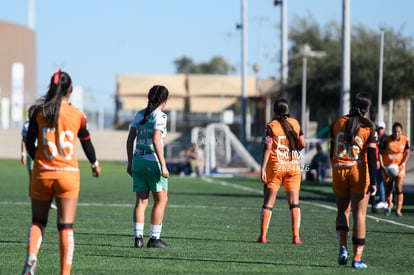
x=147, y=176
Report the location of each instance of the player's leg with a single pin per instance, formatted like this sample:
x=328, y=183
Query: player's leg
x=399, y=193
x=141, y=204
x=359, y=206
x=159, y=189
x=41, y=197
x=270, y=191
x=292, y=187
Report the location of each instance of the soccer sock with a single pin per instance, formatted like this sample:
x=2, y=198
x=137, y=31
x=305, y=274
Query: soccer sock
x=342, y=235
x=138, y=229
x=66, y=247
x=155, y=231
x=400, y=200
x=265, y=216
x=34, y=238
x=295, y=219
x=358, y=245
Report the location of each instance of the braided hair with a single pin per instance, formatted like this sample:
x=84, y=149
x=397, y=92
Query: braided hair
x=281, y=109
x=356, y=120
x=156, y=96
x=60, y=84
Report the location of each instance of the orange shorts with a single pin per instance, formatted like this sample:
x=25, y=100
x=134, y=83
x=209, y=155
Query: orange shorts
x=67, y=185
x=289, y=175
x=353, y=179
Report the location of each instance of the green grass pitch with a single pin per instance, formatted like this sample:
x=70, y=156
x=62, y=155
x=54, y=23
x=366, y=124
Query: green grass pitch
x=212, y=225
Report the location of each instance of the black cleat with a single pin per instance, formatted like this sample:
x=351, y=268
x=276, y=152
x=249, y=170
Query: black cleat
x=157, y=243
x=139, y=242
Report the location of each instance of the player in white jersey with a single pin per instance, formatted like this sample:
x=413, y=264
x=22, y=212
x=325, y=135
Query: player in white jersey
x=147, y=166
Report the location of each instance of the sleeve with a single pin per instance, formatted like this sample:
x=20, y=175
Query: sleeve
x=32, y=136
x=161, y=122
x=85, y=140
x=268, y=135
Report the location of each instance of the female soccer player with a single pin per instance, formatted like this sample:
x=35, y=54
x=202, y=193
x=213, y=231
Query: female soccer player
x=283, y=140
x=396, y=149
x=353, y=142
x=56, y=125
x=147, y=165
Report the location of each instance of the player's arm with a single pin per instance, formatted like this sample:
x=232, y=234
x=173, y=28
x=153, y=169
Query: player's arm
x=372, y=161
x=130, y=147
x=87, y=146
x=406, y=155
x=267, y=147
x=156, y=140
x=32, y=136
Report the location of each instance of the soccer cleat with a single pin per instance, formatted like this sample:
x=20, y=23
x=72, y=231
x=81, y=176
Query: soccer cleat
x=398, y=214
x=381, y=205
x=139, y=242
x=296, y=240
x=157, y=243
x=359, y=264
x=30, y=265
x=387, y=211
x=343, y=256
x=261, y=239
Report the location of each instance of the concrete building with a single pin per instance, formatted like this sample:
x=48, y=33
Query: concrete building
x=17, y=73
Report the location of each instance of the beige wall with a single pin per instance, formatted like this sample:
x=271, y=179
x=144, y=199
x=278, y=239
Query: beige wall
x=18, y=44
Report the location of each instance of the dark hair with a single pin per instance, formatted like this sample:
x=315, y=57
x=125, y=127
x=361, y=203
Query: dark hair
x=156, y=96
x=281, y=109
x=360, y=107
x=60, y=84
x=395, y=125
x=31, y=110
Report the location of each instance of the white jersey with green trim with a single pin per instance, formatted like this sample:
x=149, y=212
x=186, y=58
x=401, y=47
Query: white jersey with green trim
x=144, y=147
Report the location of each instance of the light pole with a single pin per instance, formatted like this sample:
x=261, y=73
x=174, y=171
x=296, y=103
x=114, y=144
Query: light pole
x=380, y=113
x=305, y=52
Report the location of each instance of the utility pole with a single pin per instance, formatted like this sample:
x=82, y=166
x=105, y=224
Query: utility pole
x=380, y=112
x=345, y=94
x=243, y=69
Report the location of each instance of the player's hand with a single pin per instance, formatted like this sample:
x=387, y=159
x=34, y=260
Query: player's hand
x=96, y=171
x=372, y=190
x=129, y=169
x=165, y=172
x=264, y=177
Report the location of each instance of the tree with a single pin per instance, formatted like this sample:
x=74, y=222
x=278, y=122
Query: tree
x=323, y=75
x=217, y=65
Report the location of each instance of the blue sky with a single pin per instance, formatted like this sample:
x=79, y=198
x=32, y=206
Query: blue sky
x=94, y=40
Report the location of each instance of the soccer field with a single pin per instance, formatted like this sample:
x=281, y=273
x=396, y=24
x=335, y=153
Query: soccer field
x=211, y=223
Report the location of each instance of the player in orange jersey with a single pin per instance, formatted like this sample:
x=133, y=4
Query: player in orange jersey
x=283, y=140
x=395, y=150
x=56, y=125
x=353, y=157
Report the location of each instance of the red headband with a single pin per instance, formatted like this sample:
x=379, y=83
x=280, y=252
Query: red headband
x=56, y=77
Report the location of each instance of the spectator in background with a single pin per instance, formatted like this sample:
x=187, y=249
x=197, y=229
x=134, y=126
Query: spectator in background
x=320, y=163
x=195, y=157
x=380, y=128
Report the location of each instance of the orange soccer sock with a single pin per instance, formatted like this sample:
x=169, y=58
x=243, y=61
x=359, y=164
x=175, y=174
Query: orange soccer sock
x=35, y=237
x=265, y=216
x=358, y=247
x=295, y=219
x=400, y=200
x=66, y=248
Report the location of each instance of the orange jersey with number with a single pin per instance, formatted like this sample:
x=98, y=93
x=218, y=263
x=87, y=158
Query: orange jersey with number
x=346, y=155
x=393, y=150
x=56, y=147
x=283, y=165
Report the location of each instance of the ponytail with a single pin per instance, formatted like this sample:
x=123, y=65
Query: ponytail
x=156, y=96
x=281, y=109
x=60, y=84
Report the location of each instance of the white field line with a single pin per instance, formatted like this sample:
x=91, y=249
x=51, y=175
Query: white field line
x=224, y=183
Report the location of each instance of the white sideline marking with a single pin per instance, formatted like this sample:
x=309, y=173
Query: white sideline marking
x=222, y=183
x=234, y=185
